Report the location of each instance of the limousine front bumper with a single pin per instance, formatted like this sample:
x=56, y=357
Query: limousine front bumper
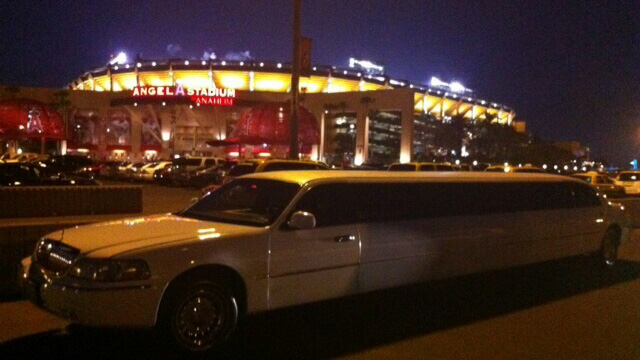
x=123, y=306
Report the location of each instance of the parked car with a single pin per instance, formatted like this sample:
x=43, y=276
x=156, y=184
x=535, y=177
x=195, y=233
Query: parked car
x=130, y=170
x=24, y=157
x=279, y=239
x=111, y=169
x=146, y=172
x=630, y=181
x=421, y=166
x=601, y=182
x=184, y=169
x=25, y=174
x=515, y=169
x=209, y=176
x=265, y=165
x=75, y=165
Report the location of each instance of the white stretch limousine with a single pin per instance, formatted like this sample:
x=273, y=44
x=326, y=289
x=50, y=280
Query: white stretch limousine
x=271, y=240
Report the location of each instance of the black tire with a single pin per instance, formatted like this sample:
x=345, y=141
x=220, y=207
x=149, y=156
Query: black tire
x=197, y=316
x=608, y=253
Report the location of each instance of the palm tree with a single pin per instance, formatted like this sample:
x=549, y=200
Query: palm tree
x=62, y=103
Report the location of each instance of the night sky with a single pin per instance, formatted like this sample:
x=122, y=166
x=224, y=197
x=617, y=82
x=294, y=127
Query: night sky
x=570, y=69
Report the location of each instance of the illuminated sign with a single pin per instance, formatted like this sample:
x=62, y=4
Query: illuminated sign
x=204, y=96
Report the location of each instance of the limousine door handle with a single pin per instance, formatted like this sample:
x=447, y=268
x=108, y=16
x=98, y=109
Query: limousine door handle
x=344, y=238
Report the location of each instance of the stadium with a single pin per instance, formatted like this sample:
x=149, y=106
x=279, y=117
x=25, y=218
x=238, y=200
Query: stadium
x=160, y=108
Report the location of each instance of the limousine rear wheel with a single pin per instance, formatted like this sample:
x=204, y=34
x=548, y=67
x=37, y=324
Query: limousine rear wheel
x=199, y=316
x=609, y=249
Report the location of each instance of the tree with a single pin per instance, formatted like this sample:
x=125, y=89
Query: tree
x=11, y=92
x=62, y=103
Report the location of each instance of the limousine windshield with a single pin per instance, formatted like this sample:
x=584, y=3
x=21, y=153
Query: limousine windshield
x=254, y=202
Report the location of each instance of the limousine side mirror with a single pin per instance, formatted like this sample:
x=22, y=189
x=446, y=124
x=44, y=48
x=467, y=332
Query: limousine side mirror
x=302, y=220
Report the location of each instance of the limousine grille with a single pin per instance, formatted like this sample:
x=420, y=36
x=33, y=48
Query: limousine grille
x=55, y=256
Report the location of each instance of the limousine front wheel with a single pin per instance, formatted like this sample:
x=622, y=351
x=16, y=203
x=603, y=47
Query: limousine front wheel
x=610, y=244
x=199, y=316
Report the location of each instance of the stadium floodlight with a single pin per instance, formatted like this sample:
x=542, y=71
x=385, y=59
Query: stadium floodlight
x=457, y=87
x=437, y=82
x=120, y=59
x=366, y=65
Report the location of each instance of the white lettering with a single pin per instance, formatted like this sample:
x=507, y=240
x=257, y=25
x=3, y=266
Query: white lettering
x=179, y=90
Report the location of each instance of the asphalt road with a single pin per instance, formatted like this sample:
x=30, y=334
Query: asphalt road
x=565, y=309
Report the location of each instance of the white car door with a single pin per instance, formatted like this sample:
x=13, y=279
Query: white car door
x=319, y=263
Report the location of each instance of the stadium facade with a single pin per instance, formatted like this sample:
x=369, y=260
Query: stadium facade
x=158, y=108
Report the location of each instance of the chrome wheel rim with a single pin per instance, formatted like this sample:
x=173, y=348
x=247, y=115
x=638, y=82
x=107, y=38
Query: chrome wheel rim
x=198, y=320
x=610, y=251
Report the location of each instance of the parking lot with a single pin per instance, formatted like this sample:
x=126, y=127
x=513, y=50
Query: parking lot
x=158, y=199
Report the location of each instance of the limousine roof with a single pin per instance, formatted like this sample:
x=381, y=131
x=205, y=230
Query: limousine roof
x=302, y=177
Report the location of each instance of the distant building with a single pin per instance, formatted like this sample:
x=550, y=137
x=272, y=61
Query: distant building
x=520, y=126
x=575, y=147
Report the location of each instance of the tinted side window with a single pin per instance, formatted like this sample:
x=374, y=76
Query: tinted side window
x=352, y=203
x=332, y=204
x=445, y=168
x=583, y=196
x=278, y=166
x=428, y=167
x=209, y=162
x=402, y=167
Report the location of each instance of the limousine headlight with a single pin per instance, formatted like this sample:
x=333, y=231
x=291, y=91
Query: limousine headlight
x=110, y=270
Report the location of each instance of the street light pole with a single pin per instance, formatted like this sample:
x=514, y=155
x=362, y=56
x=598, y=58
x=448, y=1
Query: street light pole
x=295, y=80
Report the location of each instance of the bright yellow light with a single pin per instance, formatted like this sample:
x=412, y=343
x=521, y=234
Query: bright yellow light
x=233, y=82
x=336, y=88
x=158, y=82
x=311, y=87
x=194, y=82
x=270, y=85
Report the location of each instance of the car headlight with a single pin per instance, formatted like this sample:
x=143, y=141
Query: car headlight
x=110, y=270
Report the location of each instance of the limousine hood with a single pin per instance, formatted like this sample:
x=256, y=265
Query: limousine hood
x=102, y=239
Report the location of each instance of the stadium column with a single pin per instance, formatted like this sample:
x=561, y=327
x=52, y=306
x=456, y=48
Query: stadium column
x=322, y=132
x=362, y=136
x=406, y=127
